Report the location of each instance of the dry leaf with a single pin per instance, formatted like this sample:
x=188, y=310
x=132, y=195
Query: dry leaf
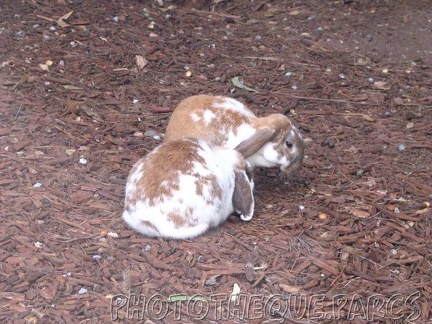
x=360, y=213
x=424, y=210
x=398, y=101
x=71, y=87
x=239, y=84
x=103, y=232
x=381, y=85
x=69, y=152
x=362, y=97
x=289, y=289
x=368, y=118
x=322, y=215
x=391, y=207
x=44, y=67
x=61, y=21
x=91, y=113
x=141, y=62
x=294, y=12
x=365, y=61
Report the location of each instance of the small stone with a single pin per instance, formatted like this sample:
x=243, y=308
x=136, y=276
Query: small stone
x=37, y=185
x=401, y=147
x=83, y=160
x=82, y=291
x=113, y=234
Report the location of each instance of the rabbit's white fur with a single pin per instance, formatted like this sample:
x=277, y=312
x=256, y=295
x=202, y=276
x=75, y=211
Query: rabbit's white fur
x=182, y=188
x=227, y=122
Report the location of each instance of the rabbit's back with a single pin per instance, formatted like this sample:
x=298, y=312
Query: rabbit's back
x=180, y=189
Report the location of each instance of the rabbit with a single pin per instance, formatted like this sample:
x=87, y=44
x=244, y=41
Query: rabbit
x=186, y=186
x=227, y=122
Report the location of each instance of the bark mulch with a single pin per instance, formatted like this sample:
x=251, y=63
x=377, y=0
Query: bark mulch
x=346, y=239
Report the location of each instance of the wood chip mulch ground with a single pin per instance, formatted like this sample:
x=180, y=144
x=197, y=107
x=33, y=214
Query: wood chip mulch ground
x=86, y=88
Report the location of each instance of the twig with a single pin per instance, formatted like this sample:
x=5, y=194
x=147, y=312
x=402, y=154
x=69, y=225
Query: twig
x=338, y=276
x=327, y=100
x=216, y=14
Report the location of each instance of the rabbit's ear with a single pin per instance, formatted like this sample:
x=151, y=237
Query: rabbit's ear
x=254, y=143
x=243, y=200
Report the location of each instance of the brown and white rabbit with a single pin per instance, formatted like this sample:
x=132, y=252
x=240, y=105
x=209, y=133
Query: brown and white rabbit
x=184, y=187
x=227, y=122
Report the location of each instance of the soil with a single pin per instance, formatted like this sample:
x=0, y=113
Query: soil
x=346, y=239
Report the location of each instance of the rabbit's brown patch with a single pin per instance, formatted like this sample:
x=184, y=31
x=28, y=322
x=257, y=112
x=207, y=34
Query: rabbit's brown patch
x=214, y=189
x=193, y=111
x=273, y=121
x=150, y=225
x=177, y=220
x=177, y=157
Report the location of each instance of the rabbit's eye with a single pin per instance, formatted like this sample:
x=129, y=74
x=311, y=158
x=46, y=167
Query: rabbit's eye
x=289, y=144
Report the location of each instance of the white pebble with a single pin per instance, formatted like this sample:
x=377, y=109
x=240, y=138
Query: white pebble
x=82, y=291
x=37, y=185
x=83, y=160
x=113, y=234
x=38, y=244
